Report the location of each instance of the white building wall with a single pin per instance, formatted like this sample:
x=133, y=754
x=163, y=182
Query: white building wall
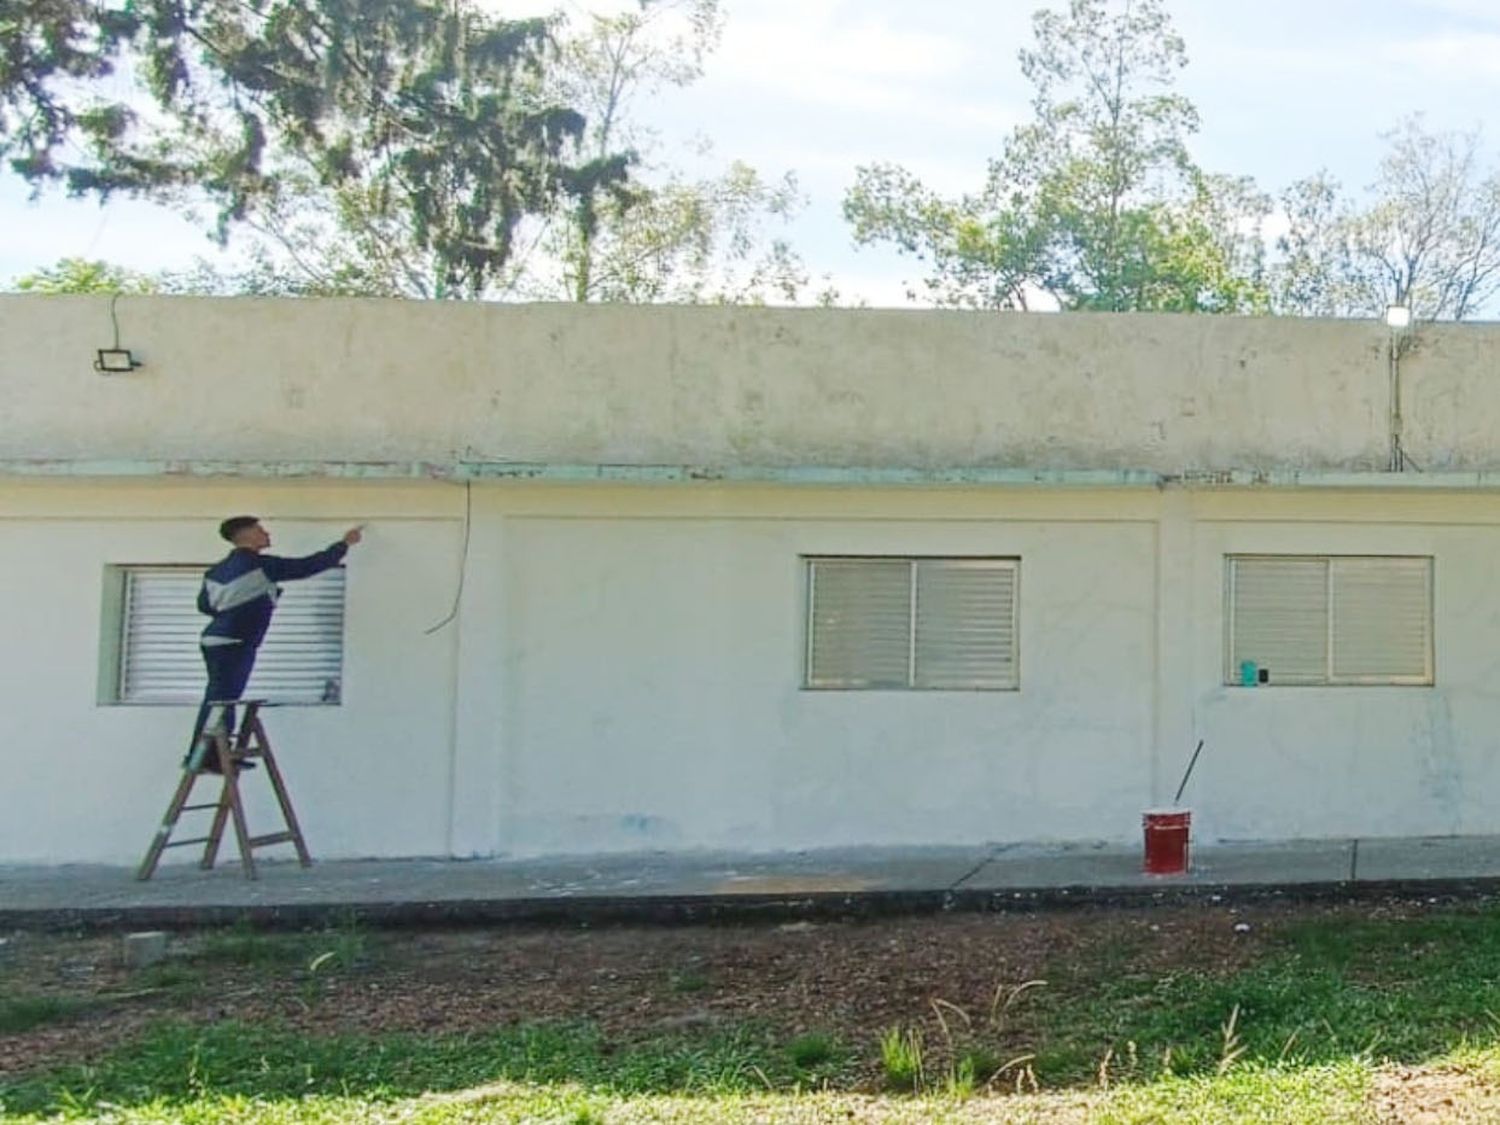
x=86, y=782
x=657, y=665
x=624, y=672
x=1340, y=761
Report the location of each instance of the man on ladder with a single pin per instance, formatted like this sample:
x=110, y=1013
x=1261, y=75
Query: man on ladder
x=239, y=594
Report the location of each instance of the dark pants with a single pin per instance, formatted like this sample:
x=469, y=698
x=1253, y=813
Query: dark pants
x=229, y=669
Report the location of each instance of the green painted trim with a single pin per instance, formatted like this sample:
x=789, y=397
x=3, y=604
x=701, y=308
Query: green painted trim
x=803, y=475
x=819, y=475
x=129, y=469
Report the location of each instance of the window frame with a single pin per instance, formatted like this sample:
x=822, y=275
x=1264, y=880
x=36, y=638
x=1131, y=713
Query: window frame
x=115, y=636
x=1010, y=563
x=1331, y=679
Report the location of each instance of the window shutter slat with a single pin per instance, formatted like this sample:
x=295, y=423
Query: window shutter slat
x=300, y=661
x=1382, y=613
x=965, y=624
x=1280, y=615
x=860, y=622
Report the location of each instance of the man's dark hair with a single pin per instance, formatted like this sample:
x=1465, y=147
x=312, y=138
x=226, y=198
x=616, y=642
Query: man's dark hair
x=234, y=525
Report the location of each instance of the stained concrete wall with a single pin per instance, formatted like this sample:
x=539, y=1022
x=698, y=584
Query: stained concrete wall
x=272, y=380
x=624, y=671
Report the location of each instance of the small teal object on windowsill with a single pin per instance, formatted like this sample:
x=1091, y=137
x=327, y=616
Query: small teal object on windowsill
x=1249, y=673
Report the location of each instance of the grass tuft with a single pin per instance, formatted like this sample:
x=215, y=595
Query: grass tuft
x=901, y=1059
x=25, y=1013
x=810, y=1050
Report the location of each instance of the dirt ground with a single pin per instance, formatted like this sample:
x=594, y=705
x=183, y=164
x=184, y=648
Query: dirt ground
x=852, y=980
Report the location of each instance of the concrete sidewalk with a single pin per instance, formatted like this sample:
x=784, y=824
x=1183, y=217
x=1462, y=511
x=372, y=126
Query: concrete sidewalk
x=716, y=886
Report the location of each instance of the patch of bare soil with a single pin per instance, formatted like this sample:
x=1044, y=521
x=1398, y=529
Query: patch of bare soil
x=1434, y=1096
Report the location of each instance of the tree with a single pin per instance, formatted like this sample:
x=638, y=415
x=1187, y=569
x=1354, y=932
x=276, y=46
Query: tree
x=1096, y=200
x=665, y=236
x=416, y=148
x=421, y=123
x=83, y=275
x=1428, y=235
x=260, y=276
x=48, y=48
x=691, y=242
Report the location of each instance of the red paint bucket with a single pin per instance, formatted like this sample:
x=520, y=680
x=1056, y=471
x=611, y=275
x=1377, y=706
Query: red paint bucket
x=1166, y=835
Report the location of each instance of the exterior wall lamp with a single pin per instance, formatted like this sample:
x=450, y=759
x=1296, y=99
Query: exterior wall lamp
x=115, y=360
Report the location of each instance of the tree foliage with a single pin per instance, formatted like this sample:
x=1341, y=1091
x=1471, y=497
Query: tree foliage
x=667, y=236
x=425, y=120
x=401, y=147
x=1096, y=200
x=49, y=49
x=1427, y=234
x=85, y=275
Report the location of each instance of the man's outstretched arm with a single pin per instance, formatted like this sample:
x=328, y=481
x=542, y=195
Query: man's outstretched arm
x=279, y=569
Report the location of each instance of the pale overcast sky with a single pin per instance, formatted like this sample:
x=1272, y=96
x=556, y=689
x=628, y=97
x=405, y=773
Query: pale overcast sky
x=820, y=86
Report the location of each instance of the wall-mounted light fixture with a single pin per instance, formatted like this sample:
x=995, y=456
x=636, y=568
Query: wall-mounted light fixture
x=1398, y=316
x=115, y=360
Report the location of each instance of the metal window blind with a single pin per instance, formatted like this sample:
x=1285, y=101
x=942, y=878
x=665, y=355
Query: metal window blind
x=300, y=661
x=965, y=623
x=860, y=623
x=1332, y=620
x=912, y=623
x=1382, y=620
x=1280, y=618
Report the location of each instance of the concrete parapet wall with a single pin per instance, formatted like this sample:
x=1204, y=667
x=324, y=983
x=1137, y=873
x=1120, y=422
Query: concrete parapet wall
x=295, y=380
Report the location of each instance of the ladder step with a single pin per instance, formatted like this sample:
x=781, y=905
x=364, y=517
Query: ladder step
x=185, y=843
x=191, y=808
x=273, y=838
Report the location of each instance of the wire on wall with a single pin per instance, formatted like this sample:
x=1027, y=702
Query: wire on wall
x=463, y=561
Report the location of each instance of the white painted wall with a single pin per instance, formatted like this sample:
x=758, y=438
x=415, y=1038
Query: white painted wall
x=625, y=671
x=656, y=667
x=85, y=782
x=299, y=380
x=1341, y=761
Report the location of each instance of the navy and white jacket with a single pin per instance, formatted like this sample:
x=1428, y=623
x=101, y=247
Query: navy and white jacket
x=240, y=592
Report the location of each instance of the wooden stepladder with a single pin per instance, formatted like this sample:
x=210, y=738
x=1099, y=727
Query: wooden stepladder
x=228, y=748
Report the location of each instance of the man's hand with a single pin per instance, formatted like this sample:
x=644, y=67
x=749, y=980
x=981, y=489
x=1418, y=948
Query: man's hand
x=354, y=535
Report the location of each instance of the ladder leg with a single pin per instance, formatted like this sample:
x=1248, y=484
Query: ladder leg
x=285, y=801
x=215, y=834
x=219, y=747
x=174, y=810
x=229, y=746
x=241, y=831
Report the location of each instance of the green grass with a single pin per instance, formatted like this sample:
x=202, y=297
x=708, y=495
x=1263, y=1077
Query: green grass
x=1299, y=1034
x=1326, y=991
x=178, y=1065
x=901, y=1059
x=24, y=1013
x=344, y=947
x=812, y=1050
x=242, y=1073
